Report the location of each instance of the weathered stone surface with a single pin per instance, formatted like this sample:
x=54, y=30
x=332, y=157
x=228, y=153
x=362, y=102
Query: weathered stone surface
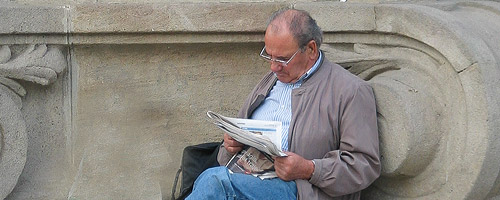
x=185, y=17
x=340, y=16
x=49, y=168
x=16, y=19
x=13, y=142
x=38, y=64
x=141, y=76
x=145, y=104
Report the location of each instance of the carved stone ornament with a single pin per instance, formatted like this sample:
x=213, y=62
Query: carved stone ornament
x=413, y=108
x=36, y=63
x=436, y=89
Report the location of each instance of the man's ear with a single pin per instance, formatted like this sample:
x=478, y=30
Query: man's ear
x=312, y=49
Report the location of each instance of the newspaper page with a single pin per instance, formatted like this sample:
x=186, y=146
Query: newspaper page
x=262, y=135
x=252, y=161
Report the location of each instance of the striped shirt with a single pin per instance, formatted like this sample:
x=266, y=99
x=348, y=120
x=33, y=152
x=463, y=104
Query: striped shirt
x=278, y=104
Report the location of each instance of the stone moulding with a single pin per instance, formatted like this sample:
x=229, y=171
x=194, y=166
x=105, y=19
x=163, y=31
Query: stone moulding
x=434, y=67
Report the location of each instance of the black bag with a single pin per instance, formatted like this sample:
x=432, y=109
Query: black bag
x=195, y=159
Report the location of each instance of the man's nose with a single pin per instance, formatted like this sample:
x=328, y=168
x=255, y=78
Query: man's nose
x=276, y=66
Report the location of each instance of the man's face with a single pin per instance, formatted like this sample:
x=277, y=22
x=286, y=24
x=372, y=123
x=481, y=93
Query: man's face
x=281, y=45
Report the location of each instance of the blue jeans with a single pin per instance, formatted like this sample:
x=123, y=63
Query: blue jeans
x=218, y=183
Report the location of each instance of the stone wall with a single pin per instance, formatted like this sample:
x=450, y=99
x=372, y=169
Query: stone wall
x=98, y=99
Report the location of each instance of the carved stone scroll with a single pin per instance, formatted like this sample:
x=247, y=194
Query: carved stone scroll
x=417, y=95
x=435, y=77
x=13, y=142
x=36, y=63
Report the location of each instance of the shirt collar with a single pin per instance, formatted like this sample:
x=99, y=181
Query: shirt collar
x=313, y=68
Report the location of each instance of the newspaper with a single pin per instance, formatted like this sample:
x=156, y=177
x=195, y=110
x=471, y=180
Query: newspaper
x=262, y=135
x=252, y=161
x=263, y=140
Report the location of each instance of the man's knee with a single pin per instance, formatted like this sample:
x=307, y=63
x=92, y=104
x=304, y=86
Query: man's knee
x=212, y=184
x=212, y=177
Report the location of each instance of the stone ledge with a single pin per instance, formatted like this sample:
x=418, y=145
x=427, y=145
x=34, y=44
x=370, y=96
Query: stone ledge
x=147, y=23
x=32, y=20
x=146, y=18
x=156, y=18
x=332, y=17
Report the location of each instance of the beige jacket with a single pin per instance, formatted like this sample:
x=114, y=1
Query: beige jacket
x=334, y=123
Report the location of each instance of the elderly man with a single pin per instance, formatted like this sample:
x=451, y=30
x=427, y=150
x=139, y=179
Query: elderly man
x=329, y=123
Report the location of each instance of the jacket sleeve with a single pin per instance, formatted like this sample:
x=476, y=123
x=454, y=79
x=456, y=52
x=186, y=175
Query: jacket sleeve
x=356, y=164
x=223, y=156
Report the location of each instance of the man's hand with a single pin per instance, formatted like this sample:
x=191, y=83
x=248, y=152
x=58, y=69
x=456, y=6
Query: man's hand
x=232, y=146
x=293, y=167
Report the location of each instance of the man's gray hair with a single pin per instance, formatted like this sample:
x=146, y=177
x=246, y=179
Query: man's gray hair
x=302, y=26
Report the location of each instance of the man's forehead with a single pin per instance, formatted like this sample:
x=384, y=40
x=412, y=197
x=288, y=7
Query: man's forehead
x=277, y=26
x=278, y=39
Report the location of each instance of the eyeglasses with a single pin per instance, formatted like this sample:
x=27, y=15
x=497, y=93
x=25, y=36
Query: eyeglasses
x=268, y=57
